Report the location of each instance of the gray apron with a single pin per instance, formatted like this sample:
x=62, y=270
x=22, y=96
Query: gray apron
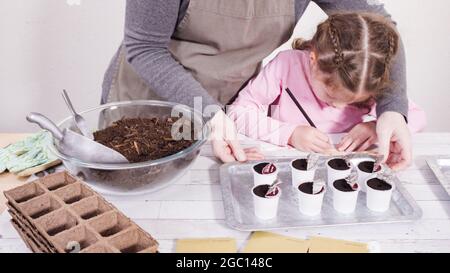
x=220, y=42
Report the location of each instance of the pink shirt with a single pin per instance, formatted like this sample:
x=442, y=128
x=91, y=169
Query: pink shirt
x=291, y=69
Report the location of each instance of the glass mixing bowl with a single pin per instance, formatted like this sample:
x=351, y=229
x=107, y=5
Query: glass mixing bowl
x=134, y=178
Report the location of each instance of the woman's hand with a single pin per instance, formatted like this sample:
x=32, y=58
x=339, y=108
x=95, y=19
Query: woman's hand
x=310, y=139
x=394, y=140
x=253, y=153
x=225, y=143
x=360, y=138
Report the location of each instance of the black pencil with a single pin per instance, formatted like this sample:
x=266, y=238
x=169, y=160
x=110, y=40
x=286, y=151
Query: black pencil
x=300, y=107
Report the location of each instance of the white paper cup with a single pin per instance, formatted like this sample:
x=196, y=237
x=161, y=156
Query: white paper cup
x=310, y=204
x=262, y=179
x=344, y=202
x=378, y=200
x=363, y=176
x=301, y=176
x=266, y=207
x=333, y=174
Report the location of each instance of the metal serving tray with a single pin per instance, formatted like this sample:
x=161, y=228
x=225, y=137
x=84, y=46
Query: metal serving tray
x=237, y=181
x=440, y=165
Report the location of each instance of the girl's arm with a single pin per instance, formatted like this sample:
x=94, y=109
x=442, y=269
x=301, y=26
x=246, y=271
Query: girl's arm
x=250, y=109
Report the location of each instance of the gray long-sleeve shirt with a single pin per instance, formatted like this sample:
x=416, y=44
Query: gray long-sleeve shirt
x=149, y=26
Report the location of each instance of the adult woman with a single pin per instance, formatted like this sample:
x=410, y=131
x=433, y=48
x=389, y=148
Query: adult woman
x=181, y=49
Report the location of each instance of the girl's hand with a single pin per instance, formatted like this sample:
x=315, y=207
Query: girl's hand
x=360, y=138
x=309, y=139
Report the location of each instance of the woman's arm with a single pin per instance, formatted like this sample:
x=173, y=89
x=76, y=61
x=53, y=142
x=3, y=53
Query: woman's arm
x=395, y=100
x=249, y=111
x=149, y=26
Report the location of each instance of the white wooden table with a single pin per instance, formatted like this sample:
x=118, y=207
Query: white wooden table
x=192, y=208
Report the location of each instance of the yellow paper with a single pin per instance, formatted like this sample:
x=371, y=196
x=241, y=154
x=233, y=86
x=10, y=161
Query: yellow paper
x=214, y=245
x=327, y=245
x=266, y=242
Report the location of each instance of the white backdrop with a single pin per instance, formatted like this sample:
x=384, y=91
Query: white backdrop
x=48, y=45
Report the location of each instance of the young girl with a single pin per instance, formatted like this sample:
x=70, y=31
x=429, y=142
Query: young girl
x=335, y=77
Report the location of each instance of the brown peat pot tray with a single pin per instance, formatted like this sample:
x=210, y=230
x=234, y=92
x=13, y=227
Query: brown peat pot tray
x=49, y=223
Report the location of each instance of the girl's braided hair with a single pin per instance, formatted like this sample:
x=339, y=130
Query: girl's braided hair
x=355, y=49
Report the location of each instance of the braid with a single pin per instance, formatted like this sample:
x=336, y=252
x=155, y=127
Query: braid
x=356, y=49
x=338, y=54
x=391, y=51
x=389, y=55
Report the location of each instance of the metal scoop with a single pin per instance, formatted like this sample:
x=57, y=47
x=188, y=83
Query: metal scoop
x=80, y=122
x=76, y=145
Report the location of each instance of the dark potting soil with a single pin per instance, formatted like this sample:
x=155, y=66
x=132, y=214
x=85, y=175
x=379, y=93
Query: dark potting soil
x=338, y=164
x=379, y=185
x=259, y=167
x=366, y=166
x=300, y=164
x=261, y=191
x=142, y=139
x=307, y=188
x=342, y=185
